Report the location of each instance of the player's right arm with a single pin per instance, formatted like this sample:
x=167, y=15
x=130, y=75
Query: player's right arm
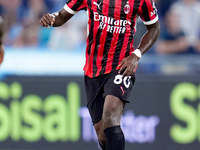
x=59, y=18
x=56, y=19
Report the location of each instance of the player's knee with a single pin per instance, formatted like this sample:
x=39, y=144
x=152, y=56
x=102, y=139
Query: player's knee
x=112, y=111
x=110, y=118
x=109, y=114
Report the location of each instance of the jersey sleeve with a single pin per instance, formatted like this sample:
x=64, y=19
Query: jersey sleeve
x=148, y=12
x=72, y=6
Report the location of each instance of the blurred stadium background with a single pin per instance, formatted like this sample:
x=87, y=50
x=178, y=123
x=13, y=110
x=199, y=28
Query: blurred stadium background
x=42, y=99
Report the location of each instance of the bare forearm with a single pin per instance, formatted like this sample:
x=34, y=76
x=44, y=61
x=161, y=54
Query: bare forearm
x=56, y=19
x=61, y=18
x=149, y=38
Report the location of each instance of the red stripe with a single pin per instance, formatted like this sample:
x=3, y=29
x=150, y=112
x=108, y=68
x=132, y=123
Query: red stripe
x=87, y=67
x=140, y=9
x=86, y=54
x=150, y=9
x=87, y=47
x=71, y=3
x=105, y=11
x=114, y=39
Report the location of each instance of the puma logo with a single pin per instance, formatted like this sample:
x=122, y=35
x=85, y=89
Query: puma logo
x=122, y=90
x=98, y=5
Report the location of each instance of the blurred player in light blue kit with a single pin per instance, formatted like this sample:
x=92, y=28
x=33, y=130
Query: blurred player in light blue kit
x=1, y=41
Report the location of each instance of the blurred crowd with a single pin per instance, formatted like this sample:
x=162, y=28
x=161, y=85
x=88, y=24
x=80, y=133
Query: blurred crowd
x=180, y=26
x=22, y=28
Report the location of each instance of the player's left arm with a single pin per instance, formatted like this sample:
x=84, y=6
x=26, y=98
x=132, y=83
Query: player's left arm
x=130, y=63
x=150, y=37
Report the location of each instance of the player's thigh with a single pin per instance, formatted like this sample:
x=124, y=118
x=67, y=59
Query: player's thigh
x=119, y=86
x=95, y=99
x=112, y=111
x=117, y=90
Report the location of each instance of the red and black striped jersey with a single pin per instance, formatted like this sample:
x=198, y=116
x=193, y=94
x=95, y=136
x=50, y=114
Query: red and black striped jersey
x=111, y=28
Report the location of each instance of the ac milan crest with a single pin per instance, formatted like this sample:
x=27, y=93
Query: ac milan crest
x=127, y=8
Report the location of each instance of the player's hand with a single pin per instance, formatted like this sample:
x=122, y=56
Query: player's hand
x=128, y=64
x=47, y=20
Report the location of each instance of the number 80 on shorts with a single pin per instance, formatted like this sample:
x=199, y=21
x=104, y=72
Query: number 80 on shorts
x=119, y=79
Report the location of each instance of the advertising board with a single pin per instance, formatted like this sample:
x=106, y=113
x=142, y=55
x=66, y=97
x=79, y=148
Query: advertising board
x=50, y=113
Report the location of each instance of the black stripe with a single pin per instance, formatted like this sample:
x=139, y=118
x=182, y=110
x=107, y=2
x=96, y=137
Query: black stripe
x=154, y=7
x=76, y=5
x=108, y=39
x=136, y=7
x=97, y=42
x=120, y=39
x=145, y=12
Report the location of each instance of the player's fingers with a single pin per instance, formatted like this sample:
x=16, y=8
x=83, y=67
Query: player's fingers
x=47, y=19
x=44, y=21
x=44, y=24
x=129, y=71
x=122, y=68
x=52, y=23
x=121, y=63
x=51, y=19
x=41, y=22
x=125, y=73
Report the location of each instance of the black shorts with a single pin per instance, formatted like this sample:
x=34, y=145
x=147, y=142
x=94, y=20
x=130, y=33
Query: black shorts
x=109, y=84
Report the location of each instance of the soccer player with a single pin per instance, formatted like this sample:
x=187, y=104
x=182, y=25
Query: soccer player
x=111, y=60
x=1, y=41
